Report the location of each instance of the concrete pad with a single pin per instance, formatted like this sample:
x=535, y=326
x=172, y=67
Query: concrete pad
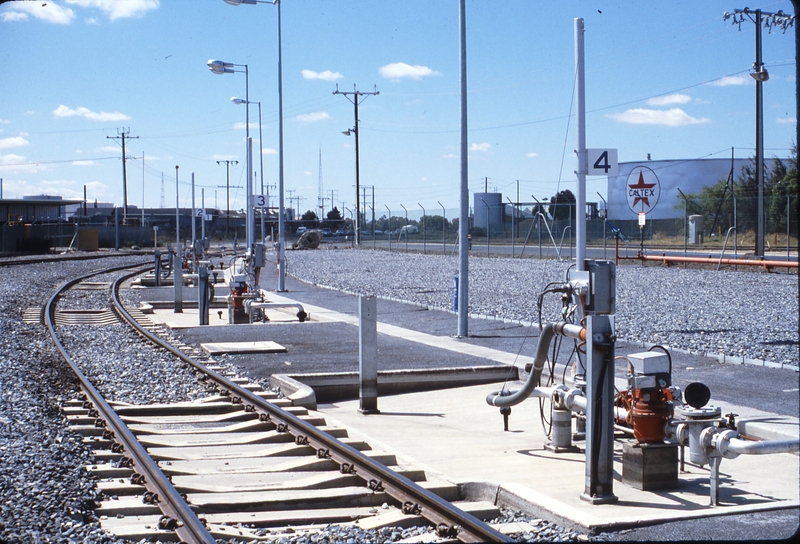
x=454, y=433
x=222, y=348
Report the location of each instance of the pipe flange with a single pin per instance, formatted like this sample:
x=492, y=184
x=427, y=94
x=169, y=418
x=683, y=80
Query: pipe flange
x=569, y=398
x=722, y=440
x=558, y=396
x=707, y=439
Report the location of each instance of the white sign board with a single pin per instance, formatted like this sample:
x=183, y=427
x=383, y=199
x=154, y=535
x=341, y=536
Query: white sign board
x=644, y=190
x=601, y=162
x=199, y=212
x=261, y=201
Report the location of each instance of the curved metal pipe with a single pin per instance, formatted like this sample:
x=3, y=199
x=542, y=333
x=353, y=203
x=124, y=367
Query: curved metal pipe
x=511, y=398
x=730, y=444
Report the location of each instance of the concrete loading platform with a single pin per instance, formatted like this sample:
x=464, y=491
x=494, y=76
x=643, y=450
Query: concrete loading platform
x=454, y=434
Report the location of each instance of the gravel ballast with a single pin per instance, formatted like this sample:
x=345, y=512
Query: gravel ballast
x=46, y=494
x=747, y=316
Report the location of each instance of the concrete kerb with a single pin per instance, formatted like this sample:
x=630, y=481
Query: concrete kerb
x=721, y=357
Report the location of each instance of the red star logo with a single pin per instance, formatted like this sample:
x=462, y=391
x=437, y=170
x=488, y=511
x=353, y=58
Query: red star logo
x=641, y=185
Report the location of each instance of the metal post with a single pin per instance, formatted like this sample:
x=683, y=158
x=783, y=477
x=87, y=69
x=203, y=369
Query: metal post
x=487, y=227
x=513, y=252
x=758, y=66
x=599, y=484
x=463, y=221
x=281, y=225
x=177, y=215
x=444, y=229
x=157, y=273
x=368, y=354
x=194, y=219
x=605, y=220
x=202, y=294
x=389, y=230
x=580, y=122
x=404, y=208
x=423, y=228
x=686, y=224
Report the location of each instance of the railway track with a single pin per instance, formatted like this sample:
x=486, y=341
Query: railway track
x=241, y=463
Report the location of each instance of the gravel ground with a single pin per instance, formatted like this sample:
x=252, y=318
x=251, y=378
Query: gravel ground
x=743, y=314
x=46, y=495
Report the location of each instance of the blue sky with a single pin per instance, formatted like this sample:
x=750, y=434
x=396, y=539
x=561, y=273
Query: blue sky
x=669, y=79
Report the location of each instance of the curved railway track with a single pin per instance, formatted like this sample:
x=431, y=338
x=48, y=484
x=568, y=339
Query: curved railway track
x=243, y=464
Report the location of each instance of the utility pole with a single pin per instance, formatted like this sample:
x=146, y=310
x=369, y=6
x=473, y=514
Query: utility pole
x=228, y=193
x=121, y=136
x=760, y=74
x=320, y=191
x=355, y=93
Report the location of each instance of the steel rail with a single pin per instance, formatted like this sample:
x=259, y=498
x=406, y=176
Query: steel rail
x=182, y=520
x=449, y=520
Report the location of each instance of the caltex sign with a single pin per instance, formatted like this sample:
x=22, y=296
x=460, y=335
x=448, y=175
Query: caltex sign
x=643, y=189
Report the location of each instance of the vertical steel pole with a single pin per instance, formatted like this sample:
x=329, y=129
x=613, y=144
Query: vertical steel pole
x=357, y=224
x=463, y=221
x=759, y=142
x=368, y=355
x=580, y=122
x=194, y=218
x=281, y=225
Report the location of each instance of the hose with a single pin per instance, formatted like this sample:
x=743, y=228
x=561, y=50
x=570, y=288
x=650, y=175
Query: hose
x=503, y=398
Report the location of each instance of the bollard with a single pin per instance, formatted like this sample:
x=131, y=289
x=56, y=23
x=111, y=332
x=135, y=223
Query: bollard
x=177, y=280
x=368, y=355
x=158, y=267
x=455, y=293
x=203, y=292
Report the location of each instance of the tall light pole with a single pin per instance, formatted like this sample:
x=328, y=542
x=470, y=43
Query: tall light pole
x=281, y=226
x=356, y=94
x=228, y=194
x=760, y=74
x=463, y=221
x=239, y=101
x=220, y=67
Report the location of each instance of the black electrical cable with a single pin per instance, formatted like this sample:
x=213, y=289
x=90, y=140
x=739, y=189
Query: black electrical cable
x=669, y=357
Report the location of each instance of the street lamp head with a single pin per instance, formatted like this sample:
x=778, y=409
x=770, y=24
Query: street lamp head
x=239, y=2
x=219, y=67
x=761, y=75
x=238, y=101
x=346, y=132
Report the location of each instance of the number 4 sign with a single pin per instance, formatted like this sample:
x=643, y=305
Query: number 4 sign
x=601, y=162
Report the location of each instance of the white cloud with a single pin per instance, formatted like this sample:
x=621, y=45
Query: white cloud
x=4, y=121
x=83, y=163
x=532, y=155
x=12, y=163
x=484, y=147
x=313, y=117
x=14, y=16
x=450, y=156
x=676, y=98
x=398, y=70
x=64, y=111
x=223, y=157
x=46, y=11
x=16, y=141
x=327, y=75
x=675, y=117
x=779, y=120
x=730, y=80
x=241, y=126
x=119, y=9
x=269, y=151
x=108, y=149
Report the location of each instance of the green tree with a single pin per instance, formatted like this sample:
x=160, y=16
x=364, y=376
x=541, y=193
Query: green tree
x=562, y=204
x=788, y=185
x=309, y=218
